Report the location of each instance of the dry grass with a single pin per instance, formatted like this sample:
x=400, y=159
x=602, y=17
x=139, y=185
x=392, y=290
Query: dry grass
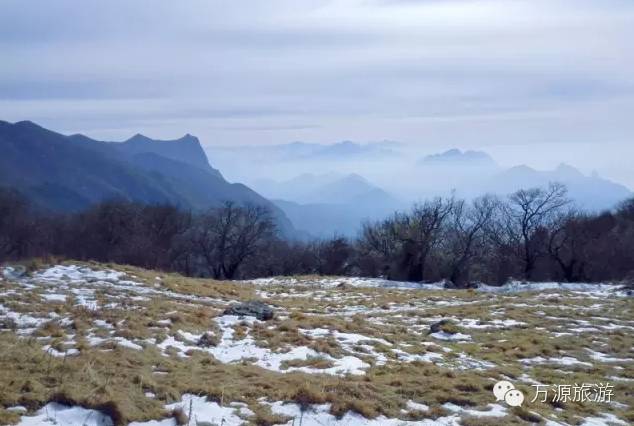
x=312, y=362
x=115, y=381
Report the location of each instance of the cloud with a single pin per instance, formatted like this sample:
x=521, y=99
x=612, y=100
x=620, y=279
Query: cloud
x=470, y=72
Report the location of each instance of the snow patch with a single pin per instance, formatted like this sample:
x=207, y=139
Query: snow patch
x=441, y=335
x=58, y=414
x=604, y=419
x=319, y=415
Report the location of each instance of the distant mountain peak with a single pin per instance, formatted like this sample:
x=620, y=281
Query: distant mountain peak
x=353, y=177
x=27, y=123
x=522, y=168
x=138, y=137
x=186, y=149
x=590, y=191
x=568, y=170
x=189, y=138
x=347, y=143
x=457, y=156
x=562, y=172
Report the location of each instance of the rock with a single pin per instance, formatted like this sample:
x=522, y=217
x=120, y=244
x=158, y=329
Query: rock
x=628, y=285
x=14, y=272
x=439, y=326
x=207, y=340
x=253, y=308
x=8, y=324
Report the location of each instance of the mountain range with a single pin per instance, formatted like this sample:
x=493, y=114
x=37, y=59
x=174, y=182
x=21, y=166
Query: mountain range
x=70, y=173
x=472, y=173
x=329, y=204
x=304, y=151
x=589, y=192
x=457, y=157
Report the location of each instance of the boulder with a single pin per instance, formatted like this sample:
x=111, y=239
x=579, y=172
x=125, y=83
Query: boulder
x=439, y=326
x=253, y=308
x=208, y=340
x=628, y=289
x=8, y=324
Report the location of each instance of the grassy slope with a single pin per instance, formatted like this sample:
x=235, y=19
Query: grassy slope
x=115, y=379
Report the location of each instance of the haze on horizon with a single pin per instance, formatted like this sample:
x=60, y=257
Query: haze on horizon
x=538, y=82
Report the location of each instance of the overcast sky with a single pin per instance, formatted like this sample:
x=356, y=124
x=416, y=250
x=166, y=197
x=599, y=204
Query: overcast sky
x=535, y=81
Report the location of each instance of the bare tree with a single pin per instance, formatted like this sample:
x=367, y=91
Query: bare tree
x=225, y=237
x=466, y=234
x=419, y=233
x=528, y=212
x=158, y=226
x=332, y=256
x=379, y=238
x=378, y=248
x=17, y=228
x=105, y=232
x=567, y=243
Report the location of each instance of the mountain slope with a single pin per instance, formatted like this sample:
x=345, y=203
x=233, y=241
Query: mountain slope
x=63, y=175
x=325, y=205
x=185, y=150
x=323, y=220
x=591, y=192
x=328, y=188
x=69, y=173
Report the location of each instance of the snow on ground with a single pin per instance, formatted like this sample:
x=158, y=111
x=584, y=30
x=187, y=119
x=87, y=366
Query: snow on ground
x=603, y=420
x=231, y=350
x=601, y=357
x=76, y=278
x=441, y=335
x=58, y=414
x=566, y=361
x=334, y=282
x=21, y=321
x=318, y=415
x=510, y=287
x=372, y=323
x=494, y=410
x=198, y=409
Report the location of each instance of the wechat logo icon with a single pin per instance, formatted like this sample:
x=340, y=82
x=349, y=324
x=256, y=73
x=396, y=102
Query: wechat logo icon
x=505, y=391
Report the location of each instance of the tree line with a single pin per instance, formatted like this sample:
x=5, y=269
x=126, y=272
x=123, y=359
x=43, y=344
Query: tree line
x=534, y=234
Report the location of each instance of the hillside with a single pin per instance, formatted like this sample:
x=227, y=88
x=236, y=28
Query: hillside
x=473, y=173
x=328, y=204
x=590, y=192
x=70, y=173
x=95, y=345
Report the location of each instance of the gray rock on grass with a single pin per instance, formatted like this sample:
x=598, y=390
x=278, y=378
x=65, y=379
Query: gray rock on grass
x=253, y=308
x=439, y=326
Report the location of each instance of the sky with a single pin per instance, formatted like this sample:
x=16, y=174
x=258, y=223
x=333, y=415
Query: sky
x=537, y=81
